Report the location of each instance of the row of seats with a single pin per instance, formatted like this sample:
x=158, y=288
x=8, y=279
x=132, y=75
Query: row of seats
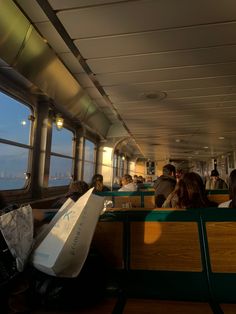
x=183, y=256
x=137, y=199
x=167, y=261
x=146, y=199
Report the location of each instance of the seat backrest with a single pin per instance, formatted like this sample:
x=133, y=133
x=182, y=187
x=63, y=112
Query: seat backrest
x=108, y=241
x=218, y=198
x=159, y=252
x=169, y=246
x=220, y=226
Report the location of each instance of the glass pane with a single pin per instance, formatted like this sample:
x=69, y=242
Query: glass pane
x=89, y=169
x=14, y=123
x=62, y=141
x=13, y=165
x=115, y=161
x=60, y=171
x=89, y=151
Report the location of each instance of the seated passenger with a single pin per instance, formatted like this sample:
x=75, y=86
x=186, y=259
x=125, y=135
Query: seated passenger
x=97, y=183
x=215, y=182
x=149, y=182
x=188, y=193
x=179, y=174
x=127, y=184
x=232, y=191
x=135, y=180
x=140, y=182
x=76, y=189
x=165, y=184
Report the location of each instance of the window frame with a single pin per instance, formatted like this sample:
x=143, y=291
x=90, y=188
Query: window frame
x=72, y=157
x=30, y=147
x=94, y=162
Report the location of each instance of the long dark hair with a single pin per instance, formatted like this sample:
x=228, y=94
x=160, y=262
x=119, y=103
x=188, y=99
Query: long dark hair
x=232, y=188
x=190, y=192
x=97, y=182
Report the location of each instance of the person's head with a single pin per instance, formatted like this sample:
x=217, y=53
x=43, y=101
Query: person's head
x=97, y=182
x=135, y=178
x=148, y=179
x=232, y=188
x=169, y=170
x=140, y=179
x=191, y=191
x=214, y=175
x=79, y=187
x=179, y=174
x=97, y=177
x=117, y=180
x=126, y=179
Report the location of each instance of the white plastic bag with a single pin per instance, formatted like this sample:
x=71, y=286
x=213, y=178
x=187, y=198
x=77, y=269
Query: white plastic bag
x=17, y=229
x=46, y=228
x=64, y=249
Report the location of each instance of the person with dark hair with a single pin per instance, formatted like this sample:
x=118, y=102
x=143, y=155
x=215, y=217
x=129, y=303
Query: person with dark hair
x=215, y=182
x=97, y=183
x=127, y=183
x=165, y=184
x=232, y=191
x=179, y=174
x=189, y=193
x=76, y=190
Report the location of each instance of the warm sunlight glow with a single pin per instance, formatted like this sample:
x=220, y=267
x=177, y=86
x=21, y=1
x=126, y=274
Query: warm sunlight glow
x=152, y=232
x=107, y=155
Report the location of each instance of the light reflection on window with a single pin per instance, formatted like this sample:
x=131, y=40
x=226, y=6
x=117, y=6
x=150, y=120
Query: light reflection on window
x=61, y=171
x=89, y=160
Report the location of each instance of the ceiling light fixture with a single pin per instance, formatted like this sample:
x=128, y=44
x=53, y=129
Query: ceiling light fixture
x=59, y=122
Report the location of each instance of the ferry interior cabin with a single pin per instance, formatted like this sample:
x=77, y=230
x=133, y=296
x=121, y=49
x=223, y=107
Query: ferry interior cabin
x=117, y=87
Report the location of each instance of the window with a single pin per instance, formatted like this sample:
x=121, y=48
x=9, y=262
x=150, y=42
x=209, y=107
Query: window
x=61, y=161
x=122, y=165
x=15, y=127
x=115, y=165
x=89, y=160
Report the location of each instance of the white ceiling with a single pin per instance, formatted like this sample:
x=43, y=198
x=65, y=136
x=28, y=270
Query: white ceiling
x=142, y=50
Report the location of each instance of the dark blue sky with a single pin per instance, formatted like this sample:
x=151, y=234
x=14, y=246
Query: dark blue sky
x=13, y=159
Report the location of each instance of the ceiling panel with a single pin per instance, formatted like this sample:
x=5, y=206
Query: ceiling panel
x=33, y=10
x=69, y=4
x=146, y=87
x=84, y=80
x=140, y=16
x=187, y=72
x=158, y=41
x=71, y=62
x=139, y=94
x=163, y=60
x=54, y=39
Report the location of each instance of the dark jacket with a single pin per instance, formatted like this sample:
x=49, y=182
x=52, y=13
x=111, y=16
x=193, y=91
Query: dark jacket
x=163, y=186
